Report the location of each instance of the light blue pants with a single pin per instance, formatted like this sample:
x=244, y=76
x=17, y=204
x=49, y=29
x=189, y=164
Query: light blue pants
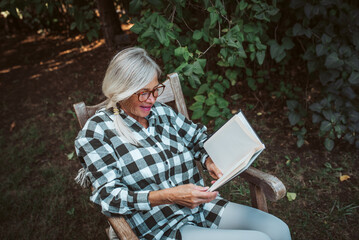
x=240, y=222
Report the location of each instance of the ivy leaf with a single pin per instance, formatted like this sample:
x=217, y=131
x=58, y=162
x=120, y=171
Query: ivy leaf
x=135, y=6
x=325, y=126
x=219, y=87
x=292, y=104
x=197, y=114
x=197, y=68
x=180, y=67
x=329, y=144
x=316, y=118
x=329, y=115
x=354, y=116
x=297, y=30
x=308, y=10
x=196, y=106
x=320, y=50
x=294, y=118
x=328, y=76
x=252, y=83
x=73, y=25
x=326, y=39
x=200, y=98
x=70, y=155
x=219, y=122
x=148, y=33
x=211, y=100
x=232, y=76
x=249, y=28
x=260, y=57
x=242, y=5
x=197, y=35
x=354, y=78
x=349, y=137
x=203, y=88
x=202, y=62
x=213, y=111
x=349, y=92
x=194, y=80
x=333, y=61
x=222, y=103
x=287, y=43
x=291, y=196
x=213, y=17
x=300, y=142
x=182, y=51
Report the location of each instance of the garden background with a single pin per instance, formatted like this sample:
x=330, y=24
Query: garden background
x=291, y=66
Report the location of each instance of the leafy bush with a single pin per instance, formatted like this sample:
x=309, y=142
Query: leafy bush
x=211, y=44
x=329, y=32
x=214, y=45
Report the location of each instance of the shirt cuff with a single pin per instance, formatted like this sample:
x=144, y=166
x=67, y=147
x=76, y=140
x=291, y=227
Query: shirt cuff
x=141, y=201
x=204, y=156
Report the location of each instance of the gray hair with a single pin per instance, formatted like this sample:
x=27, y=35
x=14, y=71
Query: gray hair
x=129, y=71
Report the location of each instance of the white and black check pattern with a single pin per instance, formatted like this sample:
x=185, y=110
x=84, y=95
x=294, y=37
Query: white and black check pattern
x=123, y=174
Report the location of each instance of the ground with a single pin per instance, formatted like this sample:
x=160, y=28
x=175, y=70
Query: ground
x=41, y=76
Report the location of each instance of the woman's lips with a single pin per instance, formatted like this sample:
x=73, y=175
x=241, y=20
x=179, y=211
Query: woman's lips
x=146, y=108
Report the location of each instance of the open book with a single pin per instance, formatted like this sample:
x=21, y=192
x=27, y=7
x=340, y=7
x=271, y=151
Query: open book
x=233, y=148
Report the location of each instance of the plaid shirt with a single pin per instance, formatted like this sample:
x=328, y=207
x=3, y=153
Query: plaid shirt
x=123, y=174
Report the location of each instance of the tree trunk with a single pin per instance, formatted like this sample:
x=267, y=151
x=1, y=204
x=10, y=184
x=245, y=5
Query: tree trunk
x=110, y=22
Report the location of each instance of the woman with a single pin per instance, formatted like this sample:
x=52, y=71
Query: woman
x=140, y=158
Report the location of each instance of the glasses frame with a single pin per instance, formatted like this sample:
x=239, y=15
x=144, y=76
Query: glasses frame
x=151, y=92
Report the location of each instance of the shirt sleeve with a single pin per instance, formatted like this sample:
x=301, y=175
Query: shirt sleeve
x=105, y=175
x=194, y=135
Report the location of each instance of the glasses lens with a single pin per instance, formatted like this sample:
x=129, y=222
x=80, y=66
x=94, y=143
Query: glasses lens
x=160, y=90
x=143, y=96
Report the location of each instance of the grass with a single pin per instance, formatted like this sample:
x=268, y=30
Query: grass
x=39, y=198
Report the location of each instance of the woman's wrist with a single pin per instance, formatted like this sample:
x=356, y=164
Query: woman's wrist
x=160, y=197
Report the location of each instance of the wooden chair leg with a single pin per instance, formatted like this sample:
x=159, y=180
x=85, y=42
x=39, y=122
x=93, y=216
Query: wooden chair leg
x=258, y=198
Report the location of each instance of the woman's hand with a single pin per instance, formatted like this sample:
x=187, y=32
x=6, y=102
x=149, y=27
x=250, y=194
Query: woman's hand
x=212, y=169
x=188, y=195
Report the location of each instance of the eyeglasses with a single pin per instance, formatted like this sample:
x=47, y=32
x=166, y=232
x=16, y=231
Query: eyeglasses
x=156, y=92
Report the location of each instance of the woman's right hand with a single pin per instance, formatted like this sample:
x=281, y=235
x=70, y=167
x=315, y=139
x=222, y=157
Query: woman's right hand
x=188, y=195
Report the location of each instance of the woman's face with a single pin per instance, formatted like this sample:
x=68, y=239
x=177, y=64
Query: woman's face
x=139, y=110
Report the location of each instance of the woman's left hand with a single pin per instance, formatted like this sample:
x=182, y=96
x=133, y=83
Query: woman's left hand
x=213, y=169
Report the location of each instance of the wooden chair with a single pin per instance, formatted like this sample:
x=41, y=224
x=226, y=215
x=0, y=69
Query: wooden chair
x=262, y=185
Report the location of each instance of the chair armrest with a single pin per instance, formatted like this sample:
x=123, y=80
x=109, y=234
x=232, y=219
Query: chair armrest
x=271, y=186
x=122, y=228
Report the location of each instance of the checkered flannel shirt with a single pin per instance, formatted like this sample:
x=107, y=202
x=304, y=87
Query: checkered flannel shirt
x=123, y=174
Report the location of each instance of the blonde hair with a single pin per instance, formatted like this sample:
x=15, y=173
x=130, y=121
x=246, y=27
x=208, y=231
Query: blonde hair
x=129, y=71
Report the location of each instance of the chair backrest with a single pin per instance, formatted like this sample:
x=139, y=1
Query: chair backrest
x=173, y=92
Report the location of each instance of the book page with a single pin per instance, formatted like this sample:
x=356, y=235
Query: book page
x=229, y=174
x=231, y=144
x=248, y=126
x=236, y=171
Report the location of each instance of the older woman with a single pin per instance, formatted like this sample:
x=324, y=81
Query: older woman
x=140, y=158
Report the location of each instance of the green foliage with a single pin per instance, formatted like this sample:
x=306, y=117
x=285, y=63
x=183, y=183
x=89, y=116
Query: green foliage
x=328, y=30
x=69, y=15
x=211, y=44
x=214, y=45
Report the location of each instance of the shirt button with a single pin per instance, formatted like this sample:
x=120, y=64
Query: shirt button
x=166, y=163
